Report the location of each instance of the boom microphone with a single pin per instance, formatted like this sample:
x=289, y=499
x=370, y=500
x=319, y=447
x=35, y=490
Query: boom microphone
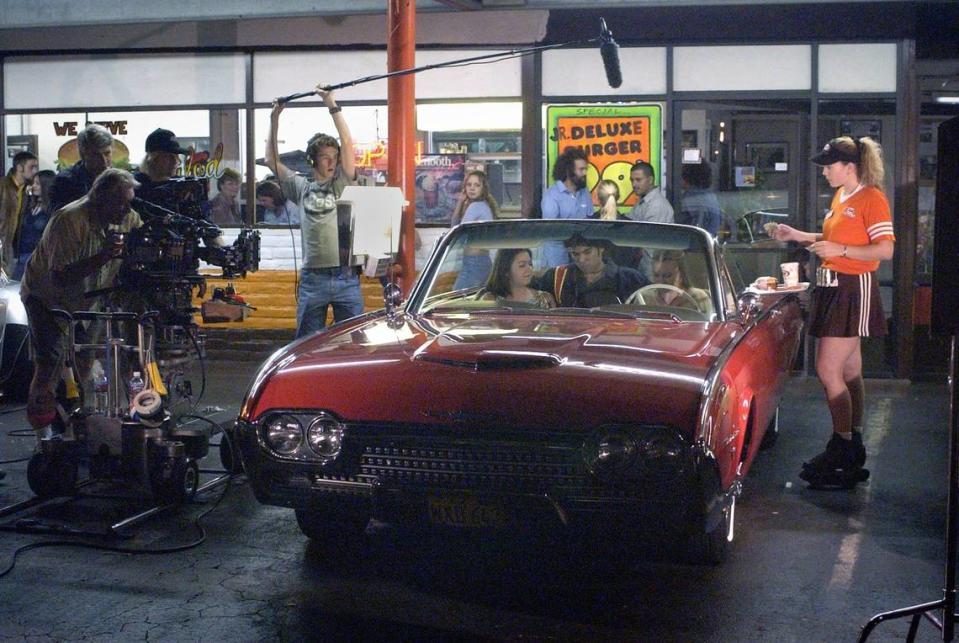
x=609, y=50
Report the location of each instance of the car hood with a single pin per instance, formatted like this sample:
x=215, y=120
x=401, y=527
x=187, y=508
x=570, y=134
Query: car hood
x=519, y=370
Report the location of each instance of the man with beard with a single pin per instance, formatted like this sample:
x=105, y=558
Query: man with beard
x=567, y=199
x=95, y=145
x=590, y=279
x=78, y=253
x=13, y=205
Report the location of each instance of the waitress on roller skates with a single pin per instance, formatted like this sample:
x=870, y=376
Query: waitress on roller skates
x=857, y=234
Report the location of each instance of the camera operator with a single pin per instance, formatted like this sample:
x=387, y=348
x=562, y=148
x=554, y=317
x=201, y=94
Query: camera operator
x=95, y=145
x=326, y=277
x=158, y=166
x=78, y=253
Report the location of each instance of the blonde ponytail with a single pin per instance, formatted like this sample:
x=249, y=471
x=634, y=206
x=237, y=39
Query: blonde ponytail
x=871, y=168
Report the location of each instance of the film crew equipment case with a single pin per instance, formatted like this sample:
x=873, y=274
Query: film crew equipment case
x=945, y=274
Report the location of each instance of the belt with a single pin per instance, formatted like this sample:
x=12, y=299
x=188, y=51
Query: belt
x=826, y=278
x=332, y=271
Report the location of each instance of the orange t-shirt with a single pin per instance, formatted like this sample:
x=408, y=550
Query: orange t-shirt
x=860, y=220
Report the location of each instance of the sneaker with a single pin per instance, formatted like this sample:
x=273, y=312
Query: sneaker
x=839, y=454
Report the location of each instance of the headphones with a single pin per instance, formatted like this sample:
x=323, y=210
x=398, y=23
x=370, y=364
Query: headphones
x=317, y=141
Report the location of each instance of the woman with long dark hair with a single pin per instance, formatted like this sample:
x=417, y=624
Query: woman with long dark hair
x=34, y=219
x=510, y=279
x=857, y=234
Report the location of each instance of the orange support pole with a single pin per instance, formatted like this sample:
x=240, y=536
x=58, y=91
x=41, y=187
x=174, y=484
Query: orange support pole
x=401, y=99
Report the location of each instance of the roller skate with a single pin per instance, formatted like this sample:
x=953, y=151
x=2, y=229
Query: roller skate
x=838, y=467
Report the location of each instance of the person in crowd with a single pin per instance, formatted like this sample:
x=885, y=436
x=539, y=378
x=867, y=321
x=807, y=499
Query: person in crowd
x=78, y=253
x=668, y=270
x=511, y=277
x=225, y=206
x=159, y=165
x=589, y=280
x=857, y=234
x=326, y=277
x=652, y=204
x=475, y=203
x=35, y=219
x=277, y=209
x=568, y=198
x=700, y=207
x=607, y=192
x=14, y=202
x=95, y=146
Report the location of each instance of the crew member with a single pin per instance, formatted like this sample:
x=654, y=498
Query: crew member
x=856, y=235
x=95, y=146
x=326, y=277
x=13, y=205
x=78, y=253
x=590, y=280
x=159, y=166
x=569, y=198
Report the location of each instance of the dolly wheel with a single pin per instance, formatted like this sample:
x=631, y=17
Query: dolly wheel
x=52, y=475
x=176, y=481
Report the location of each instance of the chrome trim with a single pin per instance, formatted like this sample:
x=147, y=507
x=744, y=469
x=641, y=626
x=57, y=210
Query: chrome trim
x=342, y=485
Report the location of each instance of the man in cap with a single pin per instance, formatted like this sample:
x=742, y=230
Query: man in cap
x=95, y=145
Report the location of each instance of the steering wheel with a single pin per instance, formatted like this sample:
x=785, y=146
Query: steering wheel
x=637, y=297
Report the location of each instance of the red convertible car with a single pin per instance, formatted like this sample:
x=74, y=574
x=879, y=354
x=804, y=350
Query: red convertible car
x=628, y=388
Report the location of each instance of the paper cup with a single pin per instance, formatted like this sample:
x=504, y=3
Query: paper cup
x=790, y=273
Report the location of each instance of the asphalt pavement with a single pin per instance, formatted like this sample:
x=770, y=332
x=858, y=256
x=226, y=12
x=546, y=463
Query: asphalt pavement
x=806, y=565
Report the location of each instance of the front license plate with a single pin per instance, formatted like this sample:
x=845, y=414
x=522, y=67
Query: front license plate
x=466, y=512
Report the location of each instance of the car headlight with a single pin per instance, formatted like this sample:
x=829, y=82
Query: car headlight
x=284, y=434
x=325, y=436
x=609, y=452
x=625, y=452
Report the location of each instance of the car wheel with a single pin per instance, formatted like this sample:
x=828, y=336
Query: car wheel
x=772, y=432
x=710, y=544
x=229, y=455
x=333, y=526
x=51, y=475
x=175, y=481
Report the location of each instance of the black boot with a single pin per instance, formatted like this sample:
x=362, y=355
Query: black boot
x=839, y=454
x=838, y=467
x=859, y=448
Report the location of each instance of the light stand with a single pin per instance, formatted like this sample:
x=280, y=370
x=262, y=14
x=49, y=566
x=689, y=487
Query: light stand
x=948, y=602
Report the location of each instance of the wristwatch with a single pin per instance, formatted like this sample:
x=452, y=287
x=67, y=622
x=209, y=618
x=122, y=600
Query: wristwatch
x=336, y=109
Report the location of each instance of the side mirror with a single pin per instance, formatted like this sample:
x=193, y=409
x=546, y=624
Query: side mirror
x=748, y=304
x=392, y=298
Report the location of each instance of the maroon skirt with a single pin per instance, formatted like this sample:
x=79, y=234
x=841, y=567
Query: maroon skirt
x=852, y=308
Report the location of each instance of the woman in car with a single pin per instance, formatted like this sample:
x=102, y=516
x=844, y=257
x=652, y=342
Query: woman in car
x=510, y=280
x=677, y=293
x=475, y=204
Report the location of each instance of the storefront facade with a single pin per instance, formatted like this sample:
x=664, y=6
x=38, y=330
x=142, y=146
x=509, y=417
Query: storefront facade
x=753, y=104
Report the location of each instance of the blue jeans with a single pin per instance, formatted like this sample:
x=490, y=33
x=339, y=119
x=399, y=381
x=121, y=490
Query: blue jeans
x=475, y=272
x=322, y=287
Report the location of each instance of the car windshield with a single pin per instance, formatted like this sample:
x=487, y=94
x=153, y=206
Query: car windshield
x=611, y=268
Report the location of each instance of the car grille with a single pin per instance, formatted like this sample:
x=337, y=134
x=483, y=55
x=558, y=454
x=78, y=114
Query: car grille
x=498, y=467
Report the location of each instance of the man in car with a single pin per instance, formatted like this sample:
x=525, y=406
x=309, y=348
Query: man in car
x=78, y=253
x=590, y=280
x=95, y=145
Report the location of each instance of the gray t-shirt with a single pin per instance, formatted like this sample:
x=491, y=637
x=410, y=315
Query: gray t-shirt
x=318, y=221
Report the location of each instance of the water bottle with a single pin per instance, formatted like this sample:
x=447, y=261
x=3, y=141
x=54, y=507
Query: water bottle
x=136, y=384
x=100, y=386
